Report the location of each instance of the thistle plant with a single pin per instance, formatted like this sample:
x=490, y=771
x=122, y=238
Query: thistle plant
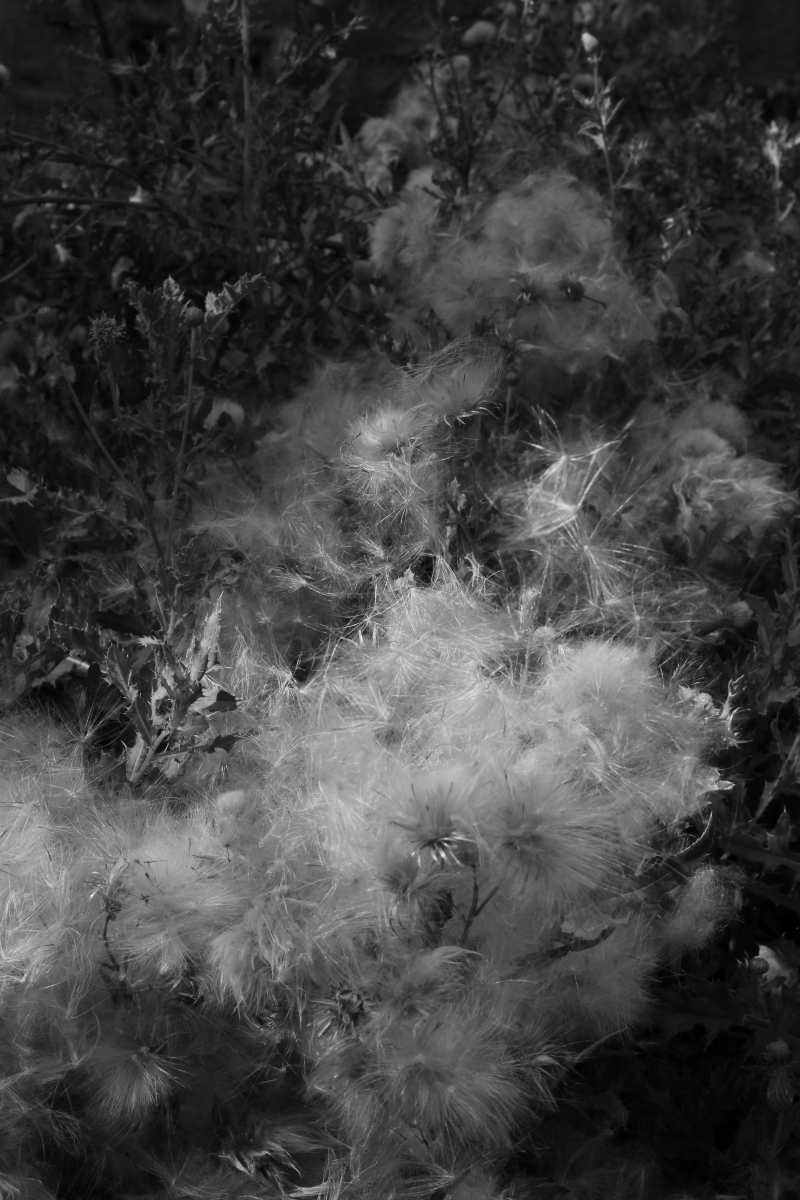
x=403, y=868
x=156, y=664
x=602, y=109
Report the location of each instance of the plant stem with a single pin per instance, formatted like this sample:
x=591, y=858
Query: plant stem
x=120, y=474
x=112, y=383
x=247, y=166
x=96, y=14
x=477, y=906
x=142, y=765
x=184, y=436
x=90, y=201
x=601, y=120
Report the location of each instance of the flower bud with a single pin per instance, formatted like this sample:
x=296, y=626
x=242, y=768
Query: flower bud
x=589, y=42
x=104, y=333
x=780, y=1089
x=778, y=1052
x=193, y=316
x=46, y=317
x=780, y=1085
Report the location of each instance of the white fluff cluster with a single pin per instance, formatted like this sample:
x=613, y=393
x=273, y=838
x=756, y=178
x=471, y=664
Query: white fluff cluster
x=373, y=965
x=607, y=531
x=366, y=968
x=400, y=142
x=348, y=491
x=539, y=265
x=699, y=478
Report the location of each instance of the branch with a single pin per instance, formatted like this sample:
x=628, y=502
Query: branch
x=96, y=201
x=96, y=14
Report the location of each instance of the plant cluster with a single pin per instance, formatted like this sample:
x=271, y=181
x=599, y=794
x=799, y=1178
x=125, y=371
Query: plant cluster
x=399, y=770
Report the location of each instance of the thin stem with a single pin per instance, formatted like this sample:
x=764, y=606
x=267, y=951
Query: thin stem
x=96, y=13
x=112, y=383
x=776, y=190
x=112, y=958
x=477, y=906
x=464, y=129
x=247, y=167
x=598, y=105
x=777, y=1137
x=64, y=154
x=89, y=201
x=452, y=148
x=184, y=437
x=137, y=487
x=142, y=765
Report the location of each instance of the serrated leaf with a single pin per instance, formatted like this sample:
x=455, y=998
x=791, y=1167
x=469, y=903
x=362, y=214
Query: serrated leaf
x=140, y=718
x=118, y=669
x=220, y=304
x=206, y=642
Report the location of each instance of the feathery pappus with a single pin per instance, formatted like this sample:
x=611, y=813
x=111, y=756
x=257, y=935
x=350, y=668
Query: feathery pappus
x=455, y=850
x=539, y=265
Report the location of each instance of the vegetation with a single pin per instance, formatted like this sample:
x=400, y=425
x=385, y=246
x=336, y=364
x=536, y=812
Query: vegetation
x=400, y=418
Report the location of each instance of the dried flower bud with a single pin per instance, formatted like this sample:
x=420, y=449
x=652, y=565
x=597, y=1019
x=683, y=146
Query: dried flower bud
x=780, y=1085
x=193, y=317
x=589, y=42
x=777, y=1052
x=104, y=333
x=780, y=1089
x=46, y=317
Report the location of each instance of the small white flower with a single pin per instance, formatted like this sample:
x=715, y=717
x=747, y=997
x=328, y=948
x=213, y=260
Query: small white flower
x=589, y=42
